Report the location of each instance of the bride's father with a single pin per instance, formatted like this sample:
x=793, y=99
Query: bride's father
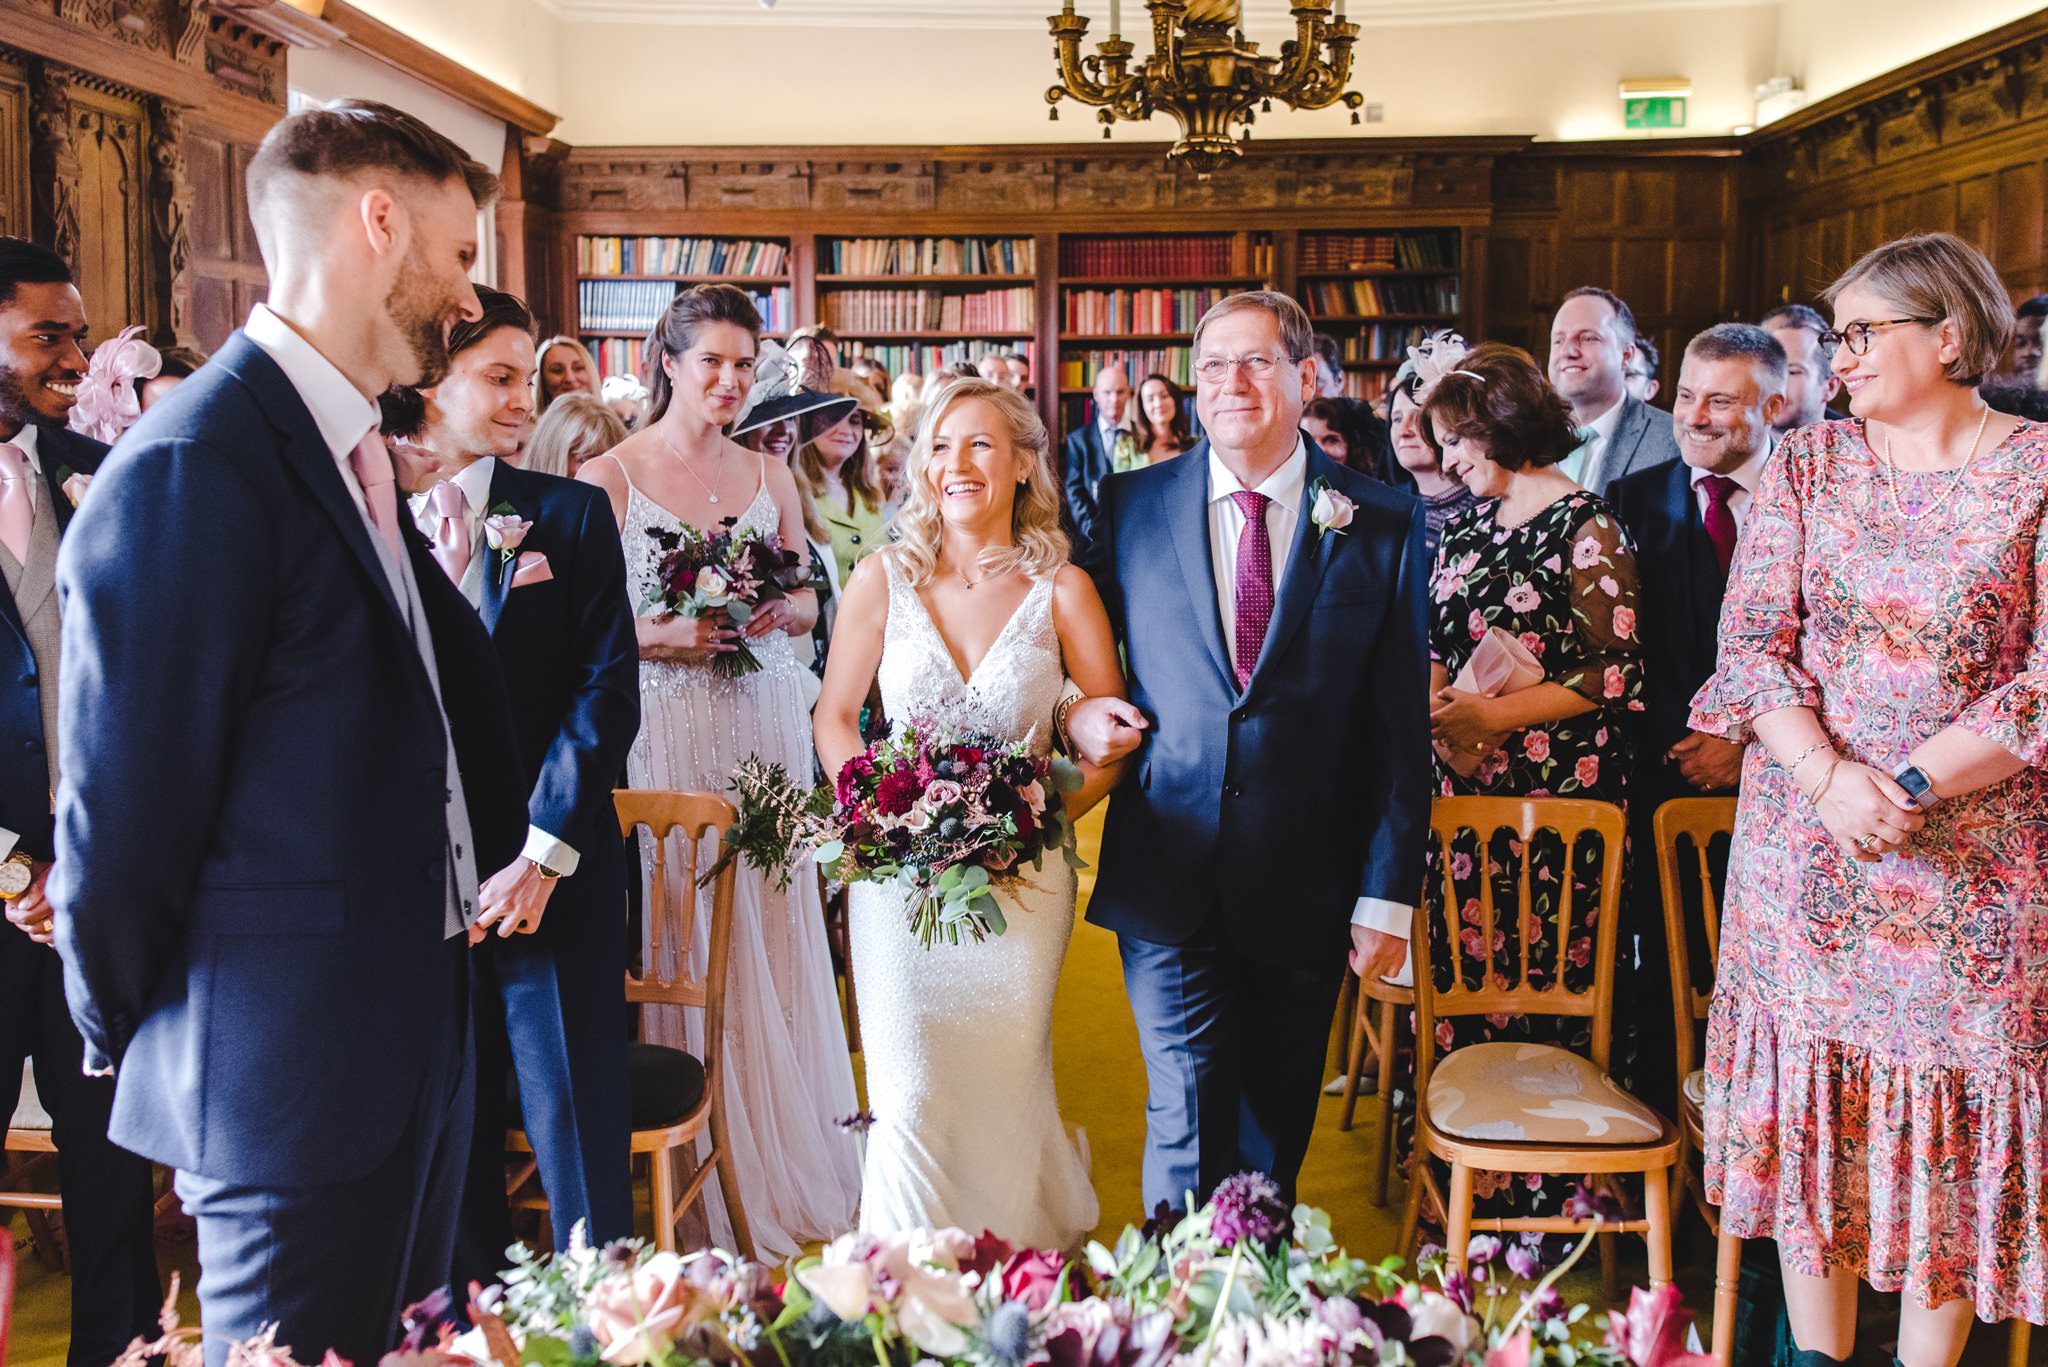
x=287, y=752
x=1273, y=608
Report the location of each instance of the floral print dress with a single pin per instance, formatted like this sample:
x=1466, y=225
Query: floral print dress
x=1564, y=583
x=1877, y=1055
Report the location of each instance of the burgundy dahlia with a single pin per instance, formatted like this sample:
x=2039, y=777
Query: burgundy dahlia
x=1249, y=1206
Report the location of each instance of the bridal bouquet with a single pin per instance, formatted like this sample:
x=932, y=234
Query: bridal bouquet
x=695, y=572
x=1245, y=1281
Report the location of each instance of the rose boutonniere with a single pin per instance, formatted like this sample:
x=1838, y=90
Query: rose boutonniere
x=73, y=484
x=1328, y=509
x=505, y=531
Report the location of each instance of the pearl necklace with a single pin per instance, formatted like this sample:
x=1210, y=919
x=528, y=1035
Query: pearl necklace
x=1891, y=474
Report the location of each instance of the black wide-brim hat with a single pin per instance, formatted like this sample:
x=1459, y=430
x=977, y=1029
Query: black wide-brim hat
x=795, y=405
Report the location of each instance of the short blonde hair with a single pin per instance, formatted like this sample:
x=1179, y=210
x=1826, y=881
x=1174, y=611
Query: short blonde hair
x=576, y=428
x=540, y=360
x=1936, y=277
x=1037, y=545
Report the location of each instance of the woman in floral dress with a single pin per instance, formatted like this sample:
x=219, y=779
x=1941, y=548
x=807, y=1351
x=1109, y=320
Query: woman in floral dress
x=1877, y=1056
x=1543, y=560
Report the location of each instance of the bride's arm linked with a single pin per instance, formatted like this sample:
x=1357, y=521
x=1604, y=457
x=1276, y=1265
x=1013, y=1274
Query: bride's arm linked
x=850, y=666
x=1088, y=647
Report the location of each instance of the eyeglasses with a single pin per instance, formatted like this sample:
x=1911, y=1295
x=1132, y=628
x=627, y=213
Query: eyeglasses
x=1856, y=336
x=1212, y=369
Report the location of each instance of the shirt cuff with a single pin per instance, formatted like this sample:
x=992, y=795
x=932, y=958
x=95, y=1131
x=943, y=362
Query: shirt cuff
x=1388, y=918
x=550, y=853
x=8, y=840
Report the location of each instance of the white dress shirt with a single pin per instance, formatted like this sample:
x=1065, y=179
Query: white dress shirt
x=1745, y=476
x=1284, y=489
x=343, y=413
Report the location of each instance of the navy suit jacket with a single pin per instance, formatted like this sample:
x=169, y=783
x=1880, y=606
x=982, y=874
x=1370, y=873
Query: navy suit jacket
x=1681, y=583
x=571, y=658
x=251, y=828
x=1084, y=464
x=24, y=767
x=1283, y=804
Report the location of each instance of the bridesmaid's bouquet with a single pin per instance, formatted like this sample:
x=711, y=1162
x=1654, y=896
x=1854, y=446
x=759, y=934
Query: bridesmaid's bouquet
x=695, y=572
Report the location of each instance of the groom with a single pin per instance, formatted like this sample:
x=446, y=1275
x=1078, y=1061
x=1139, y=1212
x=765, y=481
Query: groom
x=1272, y=606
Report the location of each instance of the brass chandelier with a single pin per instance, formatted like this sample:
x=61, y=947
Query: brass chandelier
x=1204, y=72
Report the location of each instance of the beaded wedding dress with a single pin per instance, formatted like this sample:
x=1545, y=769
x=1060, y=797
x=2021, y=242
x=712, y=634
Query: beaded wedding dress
x=957, y=1039
x=788, y=1079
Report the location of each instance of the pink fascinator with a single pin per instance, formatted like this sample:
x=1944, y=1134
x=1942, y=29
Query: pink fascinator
x=1436, y=356
x=107, y=405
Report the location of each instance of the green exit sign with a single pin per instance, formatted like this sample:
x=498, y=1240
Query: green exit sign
x=1654, y=111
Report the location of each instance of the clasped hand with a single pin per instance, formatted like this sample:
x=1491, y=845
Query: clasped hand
x=1103, y=730
x=31, y=912
x=672, y=636
x=1862, y=804
x=1463, y=723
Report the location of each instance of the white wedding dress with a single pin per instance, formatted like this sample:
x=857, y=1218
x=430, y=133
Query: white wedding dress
x=788, y=1078
x=957, y=1039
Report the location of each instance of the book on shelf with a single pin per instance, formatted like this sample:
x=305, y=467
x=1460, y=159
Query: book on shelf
x=1430, y=250
x=619, y=356
x=915, y=358
x=1369, y=297
x=1186, y=255
x=1100, y=313
x=1078, y=366
x=1384, y=341
x=637, y=305
x=680, y=256
x=930, y=256
x=924, y=310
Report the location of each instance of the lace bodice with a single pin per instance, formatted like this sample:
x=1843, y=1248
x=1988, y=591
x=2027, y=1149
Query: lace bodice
x=1013, y=689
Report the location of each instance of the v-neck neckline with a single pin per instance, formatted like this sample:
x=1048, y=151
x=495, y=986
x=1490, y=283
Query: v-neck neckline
x=968, y=676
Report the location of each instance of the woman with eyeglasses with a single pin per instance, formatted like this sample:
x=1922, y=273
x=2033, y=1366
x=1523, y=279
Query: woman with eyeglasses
x=1877, y=1056
x=838, y=473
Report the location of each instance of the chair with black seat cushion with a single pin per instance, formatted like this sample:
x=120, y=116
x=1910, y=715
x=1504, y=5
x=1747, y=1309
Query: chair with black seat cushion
x=676, y=1095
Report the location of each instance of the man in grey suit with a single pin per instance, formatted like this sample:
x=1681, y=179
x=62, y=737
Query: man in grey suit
x=1592, y=339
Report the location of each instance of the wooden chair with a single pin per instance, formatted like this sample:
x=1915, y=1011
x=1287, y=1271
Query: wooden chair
x=1693, y=823
x=702, y=818
x=1644, y=1142
x=29, y=1167
x=1378, y=1009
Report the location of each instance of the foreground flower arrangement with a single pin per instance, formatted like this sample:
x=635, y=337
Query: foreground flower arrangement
x=1242, y=1282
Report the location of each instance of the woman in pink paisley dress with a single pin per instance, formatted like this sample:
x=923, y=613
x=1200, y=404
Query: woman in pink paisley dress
x=1877, y=1094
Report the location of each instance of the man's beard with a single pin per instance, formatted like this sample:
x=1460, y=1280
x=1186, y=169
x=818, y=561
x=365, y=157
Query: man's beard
x=421, y=311
x=16, y=405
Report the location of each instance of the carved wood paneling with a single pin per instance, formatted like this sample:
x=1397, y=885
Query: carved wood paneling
x=14, y=150
x=113, y=263
x=170, y=205
x=54, y=171
x=226, y=271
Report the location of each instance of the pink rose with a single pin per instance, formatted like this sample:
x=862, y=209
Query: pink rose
x=1332, y=511
x=1609, y=587
x=1523, y=597
x=1587, y=770
x=1536, y=746
x=1625, y=623
x=1034, y=1278
x=636, y=1316
x=75, y=487
x=1475, y=624
x=504, y=532
x=1586, y=553
x=1613, y=683
x=1461, y=866
x=1532, y=643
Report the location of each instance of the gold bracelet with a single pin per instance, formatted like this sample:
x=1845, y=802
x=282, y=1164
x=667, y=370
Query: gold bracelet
x=1808, y=753
x=1825, y=780
x=1060, y=711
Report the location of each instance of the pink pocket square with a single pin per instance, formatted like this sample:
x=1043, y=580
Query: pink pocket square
x=532, y=568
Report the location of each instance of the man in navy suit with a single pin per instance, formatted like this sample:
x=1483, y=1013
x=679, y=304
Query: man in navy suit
x=550, y=1001
x=1089, y=455
x=287, y=753
x=1273, y=607
x=109, y=1197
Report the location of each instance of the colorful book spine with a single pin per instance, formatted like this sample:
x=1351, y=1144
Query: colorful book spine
x=680, y=256
x=983, y=311
x=930, y=256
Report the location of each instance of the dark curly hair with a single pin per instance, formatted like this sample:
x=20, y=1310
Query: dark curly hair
x=1498, y=396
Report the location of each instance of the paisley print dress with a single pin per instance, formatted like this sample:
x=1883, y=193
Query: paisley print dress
x=1877, y=1070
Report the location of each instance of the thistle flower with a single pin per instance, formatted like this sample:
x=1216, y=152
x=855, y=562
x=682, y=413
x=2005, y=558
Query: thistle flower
x=1249, y=1207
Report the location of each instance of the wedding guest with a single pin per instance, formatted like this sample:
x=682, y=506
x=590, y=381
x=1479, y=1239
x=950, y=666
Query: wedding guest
x=993, y=368
x=1642, y=383
x=816, y=350
x=2027, y=352
x=788, y=1079
x=276, y=961
x=1884, y=658
x=1160, y=423
x=871, y=373
x=1329, y=367
x=1546, y=562
x=1348, y=432
x=576, y=428
x=957, y=370
x=564, y=366
x=835, y=467
x=109, y=1196
x=1684, y=518
x=179, y=363
x=1810, y=381
x=1097, y=449
x=1592, y=340
x=1443, y=497
x=1017, y=372
x=538, y=557
x=626, y=397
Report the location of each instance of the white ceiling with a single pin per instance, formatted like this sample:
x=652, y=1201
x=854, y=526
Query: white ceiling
x=1262, y=17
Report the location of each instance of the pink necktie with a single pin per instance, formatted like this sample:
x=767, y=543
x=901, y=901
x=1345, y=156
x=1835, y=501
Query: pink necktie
x=450, y=511
x=1720, y=517
x=1254, y=595
x=17, y=502
x=371, y=461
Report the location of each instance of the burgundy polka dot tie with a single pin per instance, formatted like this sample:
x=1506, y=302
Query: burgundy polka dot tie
x=1254, y=596
x=1720, y=518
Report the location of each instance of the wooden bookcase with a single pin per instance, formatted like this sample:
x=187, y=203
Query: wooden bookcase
x=1378, y=293
x=624, y=283
x=920, y=303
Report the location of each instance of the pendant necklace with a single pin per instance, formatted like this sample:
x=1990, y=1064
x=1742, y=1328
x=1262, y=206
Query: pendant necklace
x=1891, y=474
x=710, y=490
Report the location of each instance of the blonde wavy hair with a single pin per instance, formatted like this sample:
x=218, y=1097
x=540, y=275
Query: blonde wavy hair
x=1037, y=545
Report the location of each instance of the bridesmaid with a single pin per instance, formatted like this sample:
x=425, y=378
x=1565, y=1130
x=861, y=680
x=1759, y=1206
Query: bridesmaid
x=788, y=1079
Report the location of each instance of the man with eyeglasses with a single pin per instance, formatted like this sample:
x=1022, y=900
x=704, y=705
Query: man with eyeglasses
x=1592, y=341
x=1810, y=382
x=1272, y=606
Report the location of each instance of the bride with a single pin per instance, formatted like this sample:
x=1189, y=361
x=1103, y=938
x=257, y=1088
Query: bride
x=971, y=618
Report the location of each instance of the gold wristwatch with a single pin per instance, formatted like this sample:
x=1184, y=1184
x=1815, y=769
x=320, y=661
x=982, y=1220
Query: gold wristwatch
x=17, y=875
x=547, y=875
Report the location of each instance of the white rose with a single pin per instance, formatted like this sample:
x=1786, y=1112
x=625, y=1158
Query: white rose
x=711, y=584
x=1333, y=511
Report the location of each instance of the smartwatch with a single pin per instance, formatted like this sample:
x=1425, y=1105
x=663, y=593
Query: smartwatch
x=1909, y=777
